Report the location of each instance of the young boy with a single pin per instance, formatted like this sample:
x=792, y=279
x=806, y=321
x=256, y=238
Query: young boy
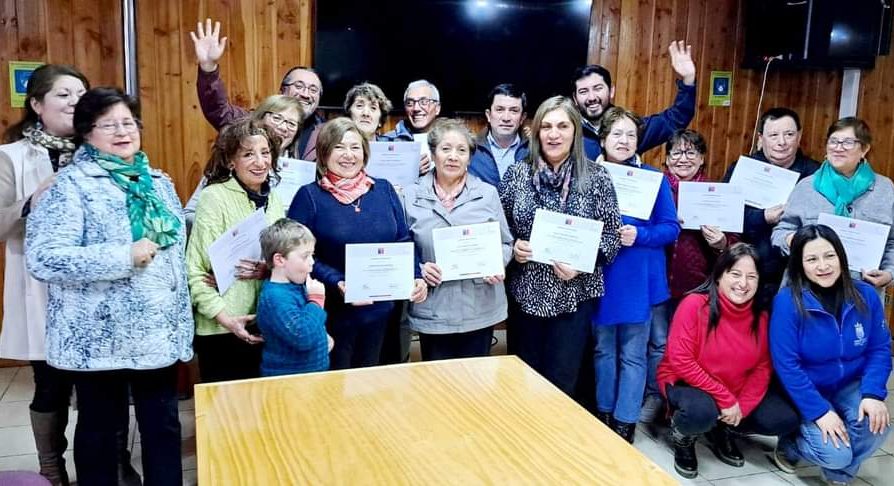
x=290, y=311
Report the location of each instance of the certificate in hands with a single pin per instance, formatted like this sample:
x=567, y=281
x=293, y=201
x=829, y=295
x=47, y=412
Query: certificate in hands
x=293, y=174
x=242, y=241
x=379, y=271
x=636, y=189
x=765, y=185
x=397, y=162
x=572, y=240
x=469, y=251
x=863, y=241
x=711, y=204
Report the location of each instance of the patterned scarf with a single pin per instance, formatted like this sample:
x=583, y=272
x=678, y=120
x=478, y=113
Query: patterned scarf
x=37, y=136
x=346, y=190
x=545, y=179
x=149, y=217
x=840, y=190
x=448, y=199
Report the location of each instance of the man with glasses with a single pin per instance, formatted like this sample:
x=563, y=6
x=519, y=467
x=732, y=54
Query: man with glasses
x=422, y=103
x=299, y=82
x=500, y=145
x=779, y=140
x=593, y=93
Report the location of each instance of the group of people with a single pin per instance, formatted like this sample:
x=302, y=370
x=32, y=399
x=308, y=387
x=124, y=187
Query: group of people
x=109, y=282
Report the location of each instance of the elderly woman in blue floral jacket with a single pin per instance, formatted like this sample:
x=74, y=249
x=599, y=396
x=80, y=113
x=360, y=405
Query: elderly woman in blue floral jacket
x=108, y=238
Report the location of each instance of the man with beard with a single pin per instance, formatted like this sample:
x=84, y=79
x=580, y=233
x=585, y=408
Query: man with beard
x=594, y=93
x=299, y=82
x=500, y=145
x=422, y=103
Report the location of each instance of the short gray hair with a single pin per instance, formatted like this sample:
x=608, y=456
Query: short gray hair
x=422, y=83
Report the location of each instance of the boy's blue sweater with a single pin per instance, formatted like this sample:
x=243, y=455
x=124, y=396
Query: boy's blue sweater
x=294, y=331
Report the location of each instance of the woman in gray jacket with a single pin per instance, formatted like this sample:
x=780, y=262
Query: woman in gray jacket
x=845, y=185
x=457, y=320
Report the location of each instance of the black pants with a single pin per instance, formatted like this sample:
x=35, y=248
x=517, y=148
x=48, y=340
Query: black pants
x=553, y=346
x=52, y=388
x=224, y=357
x=695, y=412
x=103, y=404
x=470, y=344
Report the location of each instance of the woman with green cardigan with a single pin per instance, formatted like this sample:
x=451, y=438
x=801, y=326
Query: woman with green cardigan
x=242, y=163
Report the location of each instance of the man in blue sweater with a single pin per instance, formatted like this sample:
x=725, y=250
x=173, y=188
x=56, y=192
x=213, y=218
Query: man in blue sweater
x=593, y=93
x=501, y=145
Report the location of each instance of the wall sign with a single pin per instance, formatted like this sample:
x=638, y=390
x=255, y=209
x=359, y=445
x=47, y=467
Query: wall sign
x=721, y=88
x=19, y=74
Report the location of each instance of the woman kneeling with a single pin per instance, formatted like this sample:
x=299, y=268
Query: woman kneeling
x=716, y=372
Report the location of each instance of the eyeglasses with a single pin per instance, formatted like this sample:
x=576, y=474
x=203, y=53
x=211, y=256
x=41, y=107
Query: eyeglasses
x=423, y=102
x=280, y=120
x=111, y=128
x=678, y=154
x=846, y=144
x=300, y=86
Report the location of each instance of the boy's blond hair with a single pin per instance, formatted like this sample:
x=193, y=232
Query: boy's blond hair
x=282, y=237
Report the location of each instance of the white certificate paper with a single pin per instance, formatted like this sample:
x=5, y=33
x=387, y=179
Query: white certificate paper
x=422, y=139
x=378, y=271
x=470, y=251
x=636, y=189
x=557, y=237
x=711, y=204
x=863, y=241
x=294, y=173
x=765, y=185
x=398, y=162
x=242, y=241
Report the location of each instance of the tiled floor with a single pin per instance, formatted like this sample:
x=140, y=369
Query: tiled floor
x=17, y=445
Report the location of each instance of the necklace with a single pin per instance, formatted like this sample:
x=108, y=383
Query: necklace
x=356, y=205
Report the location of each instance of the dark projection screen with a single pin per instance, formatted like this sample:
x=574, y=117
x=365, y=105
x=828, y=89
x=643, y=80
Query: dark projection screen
x=464, y=47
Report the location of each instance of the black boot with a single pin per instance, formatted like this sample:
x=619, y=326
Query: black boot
x=606, y=418
x=49, y=437
x=625, y=430
x=721, y=443
x=127, y=475
x=685, y=461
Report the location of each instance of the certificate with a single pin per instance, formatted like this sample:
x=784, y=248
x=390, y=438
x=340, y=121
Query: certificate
x=863, y=241
x=711, y=204
x=557, y=237
x=636, y=189
x=398, y=162
x=242, y=241
x=422, y=139
x=470, y=251
x=293, y=174
x=765, y=185
x=379, y=271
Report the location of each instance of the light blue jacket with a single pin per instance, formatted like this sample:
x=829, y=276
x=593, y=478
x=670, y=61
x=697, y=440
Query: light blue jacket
x=102, y=312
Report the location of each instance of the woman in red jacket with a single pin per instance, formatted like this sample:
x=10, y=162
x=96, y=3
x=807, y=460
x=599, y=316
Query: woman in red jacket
x=716, y=372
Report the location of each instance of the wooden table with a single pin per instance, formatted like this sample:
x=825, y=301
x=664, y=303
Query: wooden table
x=483, y=420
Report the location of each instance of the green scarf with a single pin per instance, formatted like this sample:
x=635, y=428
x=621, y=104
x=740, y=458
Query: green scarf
x=149, y=217
x=840, y=190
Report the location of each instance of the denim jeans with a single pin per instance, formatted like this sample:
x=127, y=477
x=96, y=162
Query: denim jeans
x=553, y=346
x=103, y=402
x=620, y=363
x=695, y=412
x=843, y=463
x=661, y=315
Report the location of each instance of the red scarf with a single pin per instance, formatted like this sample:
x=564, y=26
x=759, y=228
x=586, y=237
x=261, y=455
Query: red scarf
x=448, y=199
x=346, y=190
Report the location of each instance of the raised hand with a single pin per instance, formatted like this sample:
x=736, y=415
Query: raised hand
x=681, y=61
x=208, y=45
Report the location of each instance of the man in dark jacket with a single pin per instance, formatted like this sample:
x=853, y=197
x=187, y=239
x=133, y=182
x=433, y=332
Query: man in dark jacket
x=501, y=145
x=593, y=93
x=300, y=82
x=779, y=139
